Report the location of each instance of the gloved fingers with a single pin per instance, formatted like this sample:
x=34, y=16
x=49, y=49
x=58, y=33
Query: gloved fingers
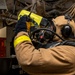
x=23, y=19
x=21, y=25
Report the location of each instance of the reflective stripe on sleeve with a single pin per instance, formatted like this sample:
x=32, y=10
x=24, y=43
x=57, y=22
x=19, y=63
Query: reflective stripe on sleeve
x=21, y=39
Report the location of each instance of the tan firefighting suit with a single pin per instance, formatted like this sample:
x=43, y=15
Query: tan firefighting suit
x=59, y=60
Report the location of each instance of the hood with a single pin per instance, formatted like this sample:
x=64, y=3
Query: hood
x=59, y=22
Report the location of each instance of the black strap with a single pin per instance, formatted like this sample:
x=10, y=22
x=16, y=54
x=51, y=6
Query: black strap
x=70, y=43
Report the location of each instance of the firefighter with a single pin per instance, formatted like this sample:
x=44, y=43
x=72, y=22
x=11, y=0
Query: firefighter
x=55, y=60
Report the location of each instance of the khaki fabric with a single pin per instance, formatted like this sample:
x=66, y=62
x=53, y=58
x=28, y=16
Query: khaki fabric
x=58, y=60
x=59, y=22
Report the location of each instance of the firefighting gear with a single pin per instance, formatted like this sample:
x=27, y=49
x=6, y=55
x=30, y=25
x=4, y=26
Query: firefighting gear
x=64, y=28
x=38, y=21
x=66, y=31
x=59, y=60
x=21, y=25
x=35, y=19
x=54, y=60
x=21, y=39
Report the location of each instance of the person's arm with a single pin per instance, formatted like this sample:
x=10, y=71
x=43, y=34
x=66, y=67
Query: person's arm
x=58, y=59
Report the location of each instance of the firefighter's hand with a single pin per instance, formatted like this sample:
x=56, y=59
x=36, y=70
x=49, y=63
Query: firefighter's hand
x=21, y=25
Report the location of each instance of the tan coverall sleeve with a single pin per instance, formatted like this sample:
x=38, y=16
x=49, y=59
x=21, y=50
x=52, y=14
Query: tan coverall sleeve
x=59, y=59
